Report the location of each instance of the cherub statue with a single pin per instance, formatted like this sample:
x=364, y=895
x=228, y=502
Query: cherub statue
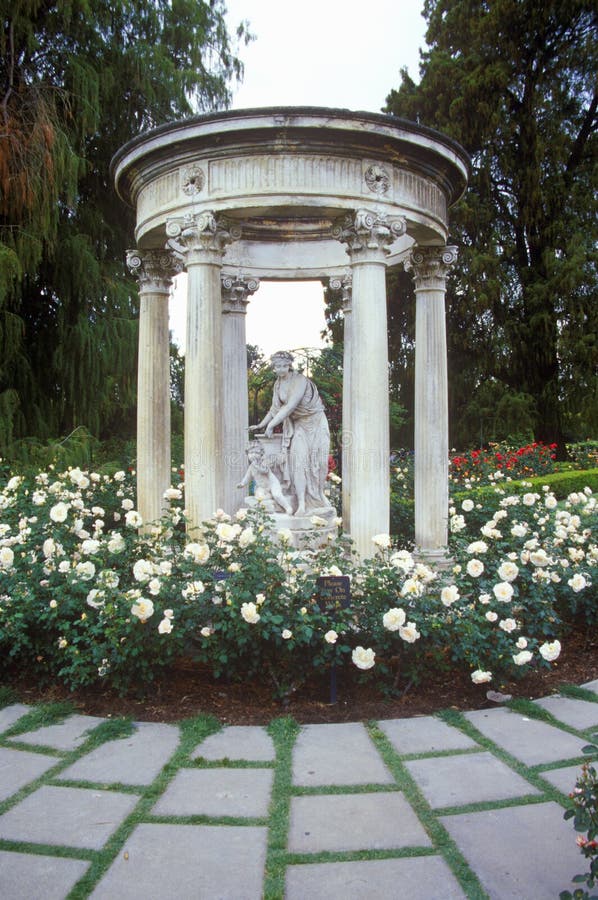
x=267, y=484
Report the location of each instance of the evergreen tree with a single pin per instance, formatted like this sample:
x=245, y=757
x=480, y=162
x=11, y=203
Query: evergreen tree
x=77, y=80
x=514, y=82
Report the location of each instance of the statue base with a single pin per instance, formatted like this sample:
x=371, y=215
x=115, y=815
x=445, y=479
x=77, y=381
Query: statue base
x=305, y=535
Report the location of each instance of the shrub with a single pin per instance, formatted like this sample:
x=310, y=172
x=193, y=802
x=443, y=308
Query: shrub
x=585, y=820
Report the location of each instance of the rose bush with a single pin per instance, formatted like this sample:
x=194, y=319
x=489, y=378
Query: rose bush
x=86, y=597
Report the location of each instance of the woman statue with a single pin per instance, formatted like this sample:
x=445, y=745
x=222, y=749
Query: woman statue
x=297, y=406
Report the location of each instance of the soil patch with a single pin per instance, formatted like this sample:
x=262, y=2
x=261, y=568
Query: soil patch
x=188, y=690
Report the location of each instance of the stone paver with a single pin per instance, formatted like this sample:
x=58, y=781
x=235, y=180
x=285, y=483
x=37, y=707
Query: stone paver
x=474, y=778
x=27, y=877
x=11, y=714
x=337, y=822
x=529, y=740
x=19, y=767
x=237, y=742
x=69, y=817
x=518, y=853
x=188, y=862
x=580, y=714
x=217, y=792
x=132, y=760
x=67, y=735
x=420, y=878
x=563, y=779
x=424, y=734
x=337, y=754
x=591, y=686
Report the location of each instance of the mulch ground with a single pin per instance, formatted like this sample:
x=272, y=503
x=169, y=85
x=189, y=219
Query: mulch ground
x=189, y=690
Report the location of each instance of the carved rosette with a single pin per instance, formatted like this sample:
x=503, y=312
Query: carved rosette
x=377, y=179
x=192, y=180
x=201, y=233
x=344, y=284
x=365, y=231
x=236, y=290
x=430, y=266
x=154, y=269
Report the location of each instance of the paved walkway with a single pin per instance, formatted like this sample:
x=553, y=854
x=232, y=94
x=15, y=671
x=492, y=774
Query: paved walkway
x=450, y=806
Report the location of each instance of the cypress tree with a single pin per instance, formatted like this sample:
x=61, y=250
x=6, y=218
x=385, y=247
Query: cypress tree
x=77, y=80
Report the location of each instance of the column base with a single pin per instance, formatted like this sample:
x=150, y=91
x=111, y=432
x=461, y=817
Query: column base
x=438, y=558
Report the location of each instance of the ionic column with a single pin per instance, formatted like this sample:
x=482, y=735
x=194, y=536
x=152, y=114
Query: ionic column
x=154, y=271
x=202, y=241
x=345, y=284
x=368, y=236
x=235, y=294
x=430, y=266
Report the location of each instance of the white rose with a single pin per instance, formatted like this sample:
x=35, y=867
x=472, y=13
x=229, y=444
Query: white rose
x=133, y=519
x=477, y=547
x=539, y=557
x=491, y=616
x=246, y=537
x=59, y=512
x=116, y=544
x=484, y=599
x=331, y=637
x=362, y=658
x=508, y=571
x=550, y=650
x=520, y=659
x=227, y=532
x=412, y=588
x=508, y=625
x=172, y=494
x=529, y=499
x=503, y=591
x=475, y=567
x=154, y=587
x=402, y=560
x=480, y=677
x=286, y=634
x=521, y=643
x=409, y=633
x=165, y=626
x=519, y=530
x=449, y=594
x=467, y=505
x=90, y=546
x=577, y=582
x=285, y=536
x=143, y=609
x=393, y=619
x=199, y=553
x=7, y=557
x=318, y=521
x=206, y=632
x=382, y=541
x=143, y=570
x=85, y=570
x=250, y=613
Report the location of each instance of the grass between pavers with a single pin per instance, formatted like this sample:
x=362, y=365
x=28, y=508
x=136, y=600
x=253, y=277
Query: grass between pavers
x=41, y=716
x=575, y=692
x=441, y=840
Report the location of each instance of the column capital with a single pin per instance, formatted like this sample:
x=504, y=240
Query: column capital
x=430, y=266
x=236, y=290
x=201, y=237
x=154, y=269
x=369, y=234
x=343, y=283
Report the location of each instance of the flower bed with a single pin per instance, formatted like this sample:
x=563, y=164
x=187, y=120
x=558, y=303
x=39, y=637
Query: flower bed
x=86, y=598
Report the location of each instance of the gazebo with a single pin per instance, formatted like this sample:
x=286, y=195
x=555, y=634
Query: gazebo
x=279, y=194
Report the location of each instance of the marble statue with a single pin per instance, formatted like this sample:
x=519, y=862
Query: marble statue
x=298, y=407
x=267, y=485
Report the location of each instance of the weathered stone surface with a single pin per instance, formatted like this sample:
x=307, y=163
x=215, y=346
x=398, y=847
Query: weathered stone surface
x=217, y=792
x=187, y=862
x=11, y=714
x=470, y=778
x=424, y=734
x=528, y=740
x=337, y=822
x=518, y=853
x=580, y=714
x=337, y=754
x=19, y=767
x=70, y=817
x=132, y=760
x=67, y=735
x=246, y=742
x=27, y=877
x=591, y=686
x=563, y=779
x=419, y=878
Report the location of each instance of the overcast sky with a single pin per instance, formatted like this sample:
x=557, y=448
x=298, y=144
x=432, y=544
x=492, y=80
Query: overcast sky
x=314, y=53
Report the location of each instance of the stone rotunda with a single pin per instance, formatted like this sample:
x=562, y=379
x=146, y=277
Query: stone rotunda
x=291, y=193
